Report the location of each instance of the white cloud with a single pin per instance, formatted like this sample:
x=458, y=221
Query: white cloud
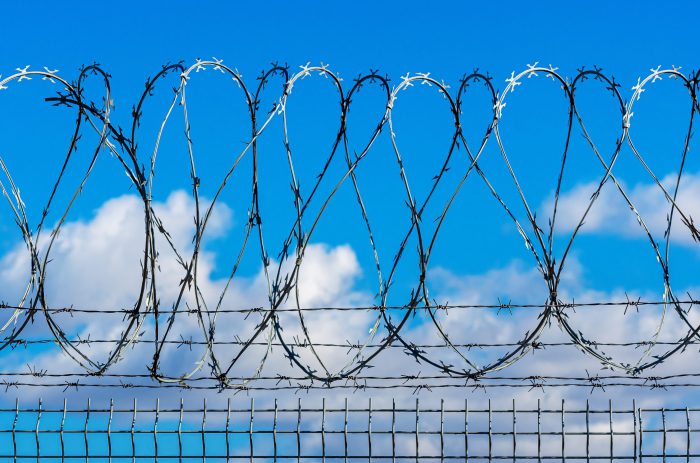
x=96, y=263
x=515, y=280
x=611, y=214
x=91, y=258
x=520, y=284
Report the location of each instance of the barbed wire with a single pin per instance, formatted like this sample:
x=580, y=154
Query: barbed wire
x=281, y=277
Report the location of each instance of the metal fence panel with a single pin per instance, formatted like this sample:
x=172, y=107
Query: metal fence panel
x=317, y=431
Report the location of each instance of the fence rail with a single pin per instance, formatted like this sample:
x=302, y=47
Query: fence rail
x=349, y=431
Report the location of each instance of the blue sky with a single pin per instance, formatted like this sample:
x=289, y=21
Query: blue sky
x=478, y=248
x=445, y=38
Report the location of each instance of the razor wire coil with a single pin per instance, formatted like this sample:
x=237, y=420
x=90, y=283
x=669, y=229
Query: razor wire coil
x=282, y=284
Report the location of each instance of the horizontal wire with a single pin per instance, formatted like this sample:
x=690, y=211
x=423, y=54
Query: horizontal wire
x=248, y=310
x=586, y=384
x=187, y=342
x=404, y=377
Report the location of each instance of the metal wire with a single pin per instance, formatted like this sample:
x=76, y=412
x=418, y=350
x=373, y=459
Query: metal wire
x=282, y=283
x=313, y=430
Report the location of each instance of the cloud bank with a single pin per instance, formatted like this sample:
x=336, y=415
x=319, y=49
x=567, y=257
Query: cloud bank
x=96, y=263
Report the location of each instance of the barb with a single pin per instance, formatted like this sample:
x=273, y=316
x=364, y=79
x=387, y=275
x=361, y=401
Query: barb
x=453, y=360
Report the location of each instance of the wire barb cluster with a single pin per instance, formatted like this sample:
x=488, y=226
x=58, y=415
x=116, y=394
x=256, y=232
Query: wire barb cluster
x=282, y=276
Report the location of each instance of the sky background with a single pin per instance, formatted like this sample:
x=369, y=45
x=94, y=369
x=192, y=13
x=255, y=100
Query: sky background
x=479, y=258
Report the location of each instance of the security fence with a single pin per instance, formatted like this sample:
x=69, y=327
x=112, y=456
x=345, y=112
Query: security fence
x=176, y=320
x=316, y=430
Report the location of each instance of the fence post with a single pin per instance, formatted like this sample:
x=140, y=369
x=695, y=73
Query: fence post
x=323, y=431
x=109, y=431
x=155, y=429
x=274, y=433
x=63, y=423
x=417, y=430
x=133, y=442
x=204, y=423
x=369, y=430
x=250, y=429
x=179, y=430
x=563, y=434
x=466, y=430
x=85, y=432
x=36, y=431
x=515, y=431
